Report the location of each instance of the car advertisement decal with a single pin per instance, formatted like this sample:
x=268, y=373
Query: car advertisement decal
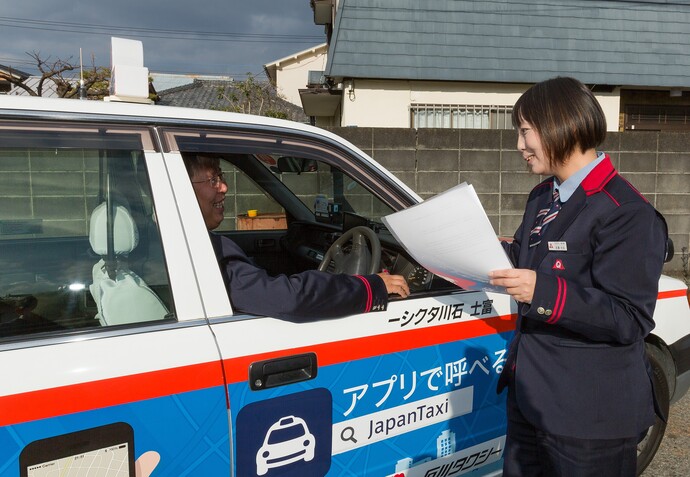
x=183, y=434
x=370, y=346
x=279, y=432
x=73, y=398
x=428, y=411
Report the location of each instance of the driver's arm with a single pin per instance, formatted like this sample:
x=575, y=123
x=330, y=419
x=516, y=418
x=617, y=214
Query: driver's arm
x=302, y=296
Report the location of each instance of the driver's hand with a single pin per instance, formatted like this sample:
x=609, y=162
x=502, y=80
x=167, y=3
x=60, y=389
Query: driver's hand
x=395, y=284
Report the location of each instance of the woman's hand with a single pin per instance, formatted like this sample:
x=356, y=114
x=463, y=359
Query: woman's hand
x=518, y=282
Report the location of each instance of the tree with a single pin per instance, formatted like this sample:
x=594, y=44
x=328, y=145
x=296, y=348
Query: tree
x=256, y=97
x=96, y=78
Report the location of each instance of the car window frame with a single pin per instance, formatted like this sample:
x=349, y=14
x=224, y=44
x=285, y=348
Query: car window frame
x=252, y=139
x=188, y=306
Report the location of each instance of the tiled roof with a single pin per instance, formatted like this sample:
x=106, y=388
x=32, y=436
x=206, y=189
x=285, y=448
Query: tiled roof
x=205, y=94
x=643, y=43
x=14, y=71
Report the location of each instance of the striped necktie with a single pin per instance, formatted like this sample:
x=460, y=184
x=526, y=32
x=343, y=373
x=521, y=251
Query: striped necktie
x=544, y=218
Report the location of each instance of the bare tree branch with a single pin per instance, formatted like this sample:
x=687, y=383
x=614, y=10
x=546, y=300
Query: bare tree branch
x=96, y=79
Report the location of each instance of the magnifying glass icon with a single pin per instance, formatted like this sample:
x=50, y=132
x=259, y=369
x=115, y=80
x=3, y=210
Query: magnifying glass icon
x=348, y=434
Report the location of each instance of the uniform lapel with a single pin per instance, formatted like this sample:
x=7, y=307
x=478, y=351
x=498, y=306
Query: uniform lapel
x=595, y=181
x=569, y=212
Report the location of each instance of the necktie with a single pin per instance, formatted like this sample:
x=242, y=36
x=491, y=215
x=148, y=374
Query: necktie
x=544, y=217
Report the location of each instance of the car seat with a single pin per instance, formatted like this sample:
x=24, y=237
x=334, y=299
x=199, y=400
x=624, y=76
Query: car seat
x=121, y=296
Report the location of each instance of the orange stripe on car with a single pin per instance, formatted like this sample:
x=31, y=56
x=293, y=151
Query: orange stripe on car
x=367, y=347
x=61, y=400
x=103, y=393
x=672, y=294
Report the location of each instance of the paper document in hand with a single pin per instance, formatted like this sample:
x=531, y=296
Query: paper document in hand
x=451, y=236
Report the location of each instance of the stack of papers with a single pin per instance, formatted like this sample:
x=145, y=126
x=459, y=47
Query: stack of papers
x=451, y=236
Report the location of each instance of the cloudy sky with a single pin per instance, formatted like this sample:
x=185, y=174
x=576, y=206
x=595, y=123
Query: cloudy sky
x=214, y=37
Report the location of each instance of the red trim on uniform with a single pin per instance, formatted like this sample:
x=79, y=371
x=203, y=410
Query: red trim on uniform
x=634, y=189
x=548, y=182
x=236, y=369
x=611, y=197
x=560, y=301
x=597, y=179
x=370, y=295
x=82, y=397
x=563, y=292
x=672, y=294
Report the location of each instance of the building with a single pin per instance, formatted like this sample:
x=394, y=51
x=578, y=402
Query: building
x=7, y=72
x=445, y=444
x=291, y=73
x=463, y=64
x=163, y=81
x=215, y=94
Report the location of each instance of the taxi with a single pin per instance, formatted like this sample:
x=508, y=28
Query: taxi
x=120, y=349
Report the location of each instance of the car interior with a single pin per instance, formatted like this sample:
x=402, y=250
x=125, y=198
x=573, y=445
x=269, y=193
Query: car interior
x=311, y=214
x=79, y=246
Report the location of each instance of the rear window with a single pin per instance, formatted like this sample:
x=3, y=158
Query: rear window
x=79, y=244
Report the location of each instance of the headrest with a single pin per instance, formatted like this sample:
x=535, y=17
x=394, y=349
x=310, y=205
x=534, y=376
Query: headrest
x=125, y=233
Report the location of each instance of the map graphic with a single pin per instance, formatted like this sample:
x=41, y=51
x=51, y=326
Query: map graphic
x=107, y=462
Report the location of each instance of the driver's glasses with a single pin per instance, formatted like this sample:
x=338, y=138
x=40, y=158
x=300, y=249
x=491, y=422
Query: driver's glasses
x=214, y=181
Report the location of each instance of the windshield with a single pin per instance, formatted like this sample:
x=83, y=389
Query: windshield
x=331, y=195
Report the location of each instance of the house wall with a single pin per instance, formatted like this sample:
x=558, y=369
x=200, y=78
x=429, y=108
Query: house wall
x=292, y=75
x=433, y=160
x=381, y=103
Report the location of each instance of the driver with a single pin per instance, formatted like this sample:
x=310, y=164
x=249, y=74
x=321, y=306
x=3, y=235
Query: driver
x=307, y=295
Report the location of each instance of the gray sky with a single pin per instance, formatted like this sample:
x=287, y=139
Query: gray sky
x=215, y=37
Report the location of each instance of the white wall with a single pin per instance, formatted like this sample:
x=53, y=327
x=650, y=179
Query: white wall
x=382, y=103
x=292, y=74
x=611, y=104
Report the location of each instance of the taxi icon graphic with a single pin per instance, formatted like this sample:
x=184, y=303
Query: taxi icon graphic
x=288, y=440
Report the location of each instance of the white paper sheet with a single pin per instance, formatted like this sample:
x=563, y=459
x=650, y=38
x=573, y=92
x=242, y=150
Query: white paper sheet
x=451, y=236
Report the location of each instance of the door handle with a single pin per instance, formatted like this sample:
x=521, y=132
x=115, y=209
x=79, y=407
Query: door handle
x=271, y=373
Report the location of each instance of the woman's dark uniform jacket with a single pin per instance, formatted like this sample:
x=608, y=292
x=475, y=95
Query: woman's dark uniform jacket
x=578, y=360
x=302, y=296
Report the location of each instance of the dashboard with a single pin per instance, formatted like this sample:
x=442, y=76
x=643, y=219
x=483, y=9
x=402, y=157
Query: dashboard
x=418, y=278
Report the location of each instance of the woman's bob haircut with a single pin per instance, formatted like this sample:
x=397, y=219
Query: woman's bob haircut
x=565, y=114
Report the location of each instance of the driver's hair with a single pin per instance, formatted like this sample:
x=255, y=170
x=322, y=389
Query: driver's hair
x=198, y=163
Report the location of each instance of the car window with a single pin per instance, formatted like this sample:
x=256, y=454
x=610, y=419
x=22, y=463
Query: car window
x=247, y=206
x=79, y=244
x=327, y=190
x=282, y=178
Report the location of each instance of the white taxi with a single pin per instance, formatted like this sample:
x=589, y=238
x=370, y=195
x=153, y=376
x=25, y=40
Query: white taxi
x=120, y=349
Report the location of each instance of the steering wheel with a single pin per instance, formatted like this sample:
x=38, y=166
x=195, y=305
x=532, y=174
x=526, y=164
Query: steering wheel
x=361, y=259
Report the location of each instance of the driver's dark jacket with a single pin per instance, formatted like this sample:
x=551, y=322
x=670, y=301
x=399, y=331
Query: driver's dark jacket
x=577, y=362
x=308, y=295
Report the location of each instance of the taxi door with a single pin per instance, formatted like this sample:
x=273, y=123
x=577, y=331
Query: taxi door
x=108, y=364
x=409, y=391
x=405, y=392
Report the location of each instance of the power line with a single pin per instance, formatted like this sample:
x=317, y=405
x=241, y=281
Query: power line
x=100, y=29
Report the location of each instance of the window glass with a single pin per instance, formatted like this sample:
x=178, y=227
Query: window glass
x=328, y=191
x=247, y=206
x=460, y=116
x=280, y=179
x=79, y=245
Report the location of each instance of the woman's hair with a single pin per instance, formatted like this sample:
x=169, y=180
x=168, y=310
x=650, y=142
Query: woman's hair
x=565, y=114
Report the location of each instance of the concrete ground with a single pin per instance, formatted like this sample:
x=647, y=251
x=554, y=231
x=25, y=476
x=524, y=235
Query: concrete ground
x=673, y=457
